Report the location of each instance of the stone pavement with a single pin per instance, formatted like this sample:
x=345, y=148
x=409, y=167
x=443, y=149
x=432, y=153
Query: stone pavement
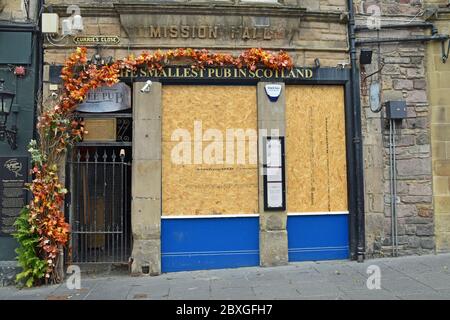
x=424, y=277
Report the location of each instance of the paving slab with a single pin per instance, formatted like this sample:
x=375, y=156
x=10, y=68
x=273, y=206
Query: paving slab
x=413, y=278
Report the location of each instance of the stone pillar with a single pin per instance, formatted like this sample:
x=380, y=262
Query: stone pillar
x=146, y=180
x=273, y=245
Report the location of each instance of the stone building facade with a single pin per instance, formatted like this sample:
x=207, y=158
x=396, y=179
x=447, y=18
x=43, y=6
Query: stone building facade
x=315, y=34
x=438, y=76
x=398, y=72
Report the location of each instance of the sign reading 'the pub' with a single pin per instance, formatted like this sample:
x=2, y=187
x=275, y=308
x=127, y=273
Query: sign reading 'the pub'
x=13, y=175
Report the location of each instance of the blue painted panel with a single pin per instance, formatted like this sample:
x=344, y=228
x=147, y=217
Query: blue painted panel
x=318, y=237
x=209, y=243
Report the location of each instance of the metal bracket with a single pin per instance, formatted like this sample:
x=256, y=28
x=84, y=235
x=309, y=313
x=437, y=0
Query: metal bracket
x=444, y=53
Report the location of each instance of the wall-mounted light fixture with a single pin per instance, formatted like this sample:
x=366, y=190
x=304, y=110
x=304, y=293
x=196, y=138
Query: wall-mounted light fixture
x=6, y=102
x=317, y=62
x=365, y=56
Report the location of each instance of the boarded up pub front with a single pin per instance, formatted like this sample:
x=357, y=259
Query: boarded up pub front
x=228, y=167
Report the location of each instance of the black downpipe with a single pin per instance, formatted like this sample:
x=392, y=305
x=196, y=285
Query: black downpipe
x=39, y=60
x=356, y=139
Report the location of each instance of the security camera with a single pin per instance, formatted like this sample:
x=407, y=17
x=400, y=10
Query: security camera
x=342, y=64
x=146, y=87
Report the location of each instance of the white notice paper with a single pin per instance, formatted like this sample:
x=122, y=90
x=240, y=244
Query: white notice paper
x=273, y=150
x=275, y=195
x=274, y=174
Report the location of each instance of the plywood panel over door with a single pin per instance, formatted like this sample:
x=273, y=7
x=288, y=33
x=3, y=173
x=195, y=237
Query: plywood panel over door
x=317, y=222
x=202, y=188
x=315, y=149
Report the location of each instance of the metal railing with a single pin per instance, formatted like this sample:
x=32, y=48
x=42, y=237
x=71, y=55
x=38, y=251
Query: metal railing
x=100, y=206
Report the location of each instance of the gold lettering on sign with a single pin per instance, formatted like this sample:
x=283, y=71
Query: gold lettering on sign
x=173, y=31
x=267, y=34
x=184, y=32
x=211, y=32
x=155, y=32
x=245, y=34
x=219, y=72
x=202, y=32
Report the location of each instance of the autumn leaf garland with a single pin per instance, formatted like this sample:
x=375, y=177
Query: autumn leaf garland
x=58, y=129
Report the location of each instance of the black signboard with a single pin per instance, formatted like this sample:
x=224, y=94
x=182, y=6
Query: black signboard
x=274, y=175
x=13, y=175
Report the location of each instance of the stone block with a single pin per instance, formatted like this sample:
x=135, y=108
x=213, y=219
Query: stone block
x=416, y=199
x=406, y=210
x=146, y=257
x=273, y=127
x=397, y=60
x=443, y=242
x=273, y=248
x=414, y=167
x=420, y=84
x=441, y=186
x=439, y=114
x=403, y=84
x=416, y=96
x=440, y=132
x=146, y=218
x=442, y=204
x=427, y=243
x=438, y=152
x=442, y=167
x=420, y=189
x=146, y=179
x=147, y=139
x=424, y=211
x=272, y=221
x=413, y=242
x=310, y=4
x=425, y=230
x=422, y=138
x=442, y=223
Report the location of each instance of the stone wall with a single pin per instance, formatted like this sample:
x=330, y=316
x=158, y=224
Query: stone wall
x=306, y=29
x=14, y=10
x=403, y=77
x=439, y=87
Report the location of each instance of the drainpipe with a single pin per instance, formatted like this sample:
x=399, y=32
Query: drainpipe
x=356, y=139
x=423, y=25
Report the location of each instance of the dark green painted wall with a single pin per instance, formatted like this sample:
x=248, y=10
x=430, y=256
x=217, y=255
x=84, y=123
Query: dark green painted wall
x=24, y=102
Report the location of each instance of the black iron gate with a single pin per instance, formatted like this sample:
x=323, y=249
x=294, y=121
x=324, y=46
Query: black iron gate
x=100, y=204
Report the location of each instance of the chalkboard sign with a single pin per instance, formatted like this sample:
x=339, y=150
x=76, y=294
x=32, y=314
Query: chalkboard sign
x=13, y=175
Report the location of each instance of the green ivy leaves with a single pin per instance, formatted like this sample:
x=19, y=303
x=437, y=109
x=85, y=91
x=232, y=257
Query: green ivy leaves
x=33, y=267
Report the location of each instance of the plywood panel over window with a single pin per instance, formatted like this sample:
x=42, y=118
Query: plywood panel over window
x=315, y=149
x=194, y=117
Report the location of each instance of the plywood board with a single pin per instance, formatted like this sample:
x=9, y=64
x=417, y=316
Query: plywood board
x=204, y=188
x=315, y=149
